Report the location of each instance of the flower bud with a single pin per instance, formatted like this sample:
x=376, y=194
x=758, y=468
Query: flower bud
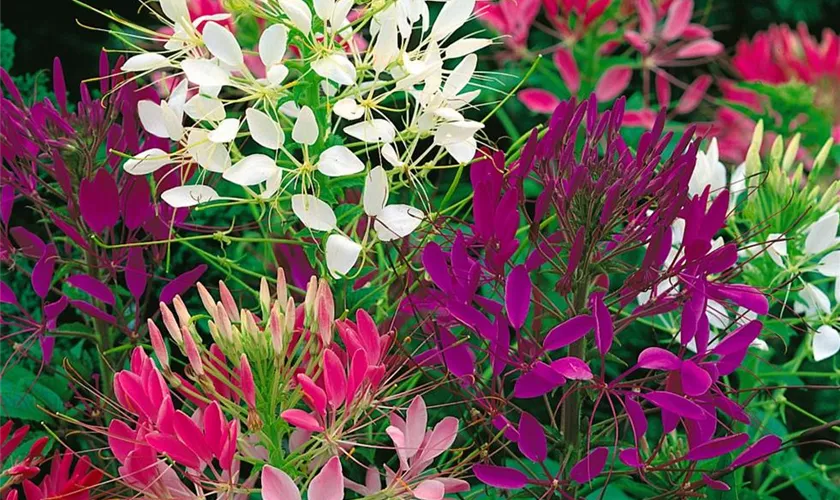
x=158, y=345
x=246, y=382
x=223, y=322
x=191, y=350
x=309, y=300
x=207, y=300
x=282, y=288
x=170, y=323
x=184, y=315
x=290, y=316
x=265, y=297
x=228, y=302
x=325, y=311
x=275, y=326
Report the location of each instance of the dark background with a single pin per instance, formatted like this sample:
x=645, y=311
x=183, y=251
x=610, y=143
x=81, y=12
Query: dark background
x=49, y=28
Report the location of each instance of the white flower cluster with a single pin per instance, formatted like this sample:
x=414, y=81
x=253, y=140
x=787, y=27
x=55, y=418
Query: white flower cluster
x=340, y=98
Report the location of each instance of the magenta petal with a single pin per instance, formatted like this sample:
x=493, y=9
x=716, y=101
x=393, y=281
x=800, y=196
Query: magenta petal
x=656, y=358
x=573, y=368
x=182, y=283
x=676, y=404
x=500, y=477
x=42, y=272
x=742, y=295
x=92, y=287
x=7, y=296
x=590, y=466
x=136, y=202
x=717, y=447
x=135, y=272
x=457, y=356
x=28, y=242
x=637, y=416
x=47, y=346
x=714, y=483
x=739, y=340
x=568, y=332
x=538, y=100
x=7, y=200
x=99, y=201
x=758, y=451
x=301, y=419
x=434, y=260
x=540, y=380
x=532, y=441
x=518, y=296
x=631, y=458
x=604, y=331
x=93, y=311
x=695, y=380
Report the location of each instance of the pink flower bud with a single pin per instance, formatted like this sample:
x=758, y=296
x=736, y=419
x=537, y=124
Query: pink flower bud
x=265, y=296
x=191, y=350
x=223, y=322
x=325, y=311
x=170, y=323
x=282, y=288
x=275, y=327
x=157, y=344
x=227, y=301
x=206, y=299
x=246, y=382
x=309, y=299
x=184, y=315
x=290, y=316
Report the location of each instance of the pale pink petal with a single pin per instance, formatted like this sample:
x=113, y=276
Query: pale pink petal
x=612, y=83
x=538, y=100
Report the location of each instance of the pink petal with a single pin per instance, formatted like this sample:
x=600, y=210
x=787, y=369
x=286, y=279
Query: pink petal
x=415, y=426
x=335, y=380
x=429, y=490
x=192, y=437
x=679, y=15
x=568, y=332
x=277, y=485
x=612, y=83
x=647, y=17
x=301, y=419
x=590, y=466
x=568, y=69
x=440, y=439
x=700, y=48
x=314, y=396
x=518, y=296
x=694, y=94
x=663, y=89
x=329, y=483
x=500, y=477
x=538, y=100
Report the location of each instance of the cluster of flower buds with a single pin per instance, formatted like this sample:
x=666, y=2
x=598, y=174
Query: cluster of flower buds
x=243, y=400
x=320, y=100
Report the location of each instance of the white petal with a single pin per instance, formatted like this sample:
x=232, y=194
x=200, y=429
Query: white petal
x=452, y=16
x=391, y=156
x=822, y=234
x=172, y=122
x=177, y=100
x=738, y=182
x=336, y=68
x=209, y=155
x=265, y=131
x=826, y=343
x=188, y=196
x=145, y=62
x=305, y=130
x=463, y=151
x=276, y=74
x=466, y=46
x=385, y=49
x=328, y=89
x=314, y=213
x=204, y=72
x=777, y=250
x=338, y=161
x=151, y=117
x=376, y=191
x=397, y=221
x=760, y=345
x=175, y=10
x=830, y=265
x=272, y=185
x=449, y=115
x=201, y=108
x=272, y=46
x=460, y=76
x=225, y=132
x=377, y=130
x=290, y=109
x=717, y=314
x=299, y=14
x=815, y=298
x=348, y=109
x=342, y=254
x=455, y=132
x=323, y=8
x=222, y=44
x=251, y=170
x=146, y=162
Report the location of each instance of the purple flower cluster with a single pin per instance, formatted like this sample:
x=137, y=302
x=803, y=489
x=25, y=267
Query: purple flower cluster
x=493, y=306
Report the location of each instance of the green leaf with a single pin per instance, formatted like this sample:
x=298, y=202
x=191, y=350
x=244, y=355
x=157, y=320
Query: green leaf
x=22, y=396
